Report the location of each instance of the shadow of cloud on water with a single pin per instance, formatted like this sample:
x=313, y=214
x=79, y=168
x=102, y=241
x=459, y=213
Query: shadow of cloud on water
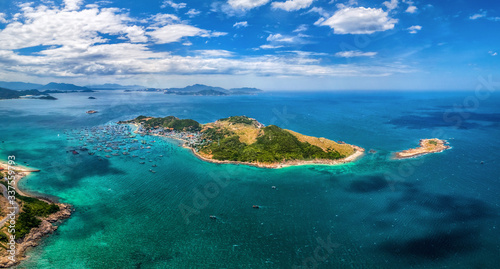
x=435, y=246
x=368, y=184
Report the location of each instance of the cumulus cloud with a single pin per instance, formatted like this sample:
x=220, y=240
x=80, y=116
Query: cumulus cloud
x=292, y=5
x=161, y=19
x=414, y=29
x=359, y=20
x=192, y=13
x=411, y=7
x=172, y=4
x=240, y=24
x=173, y=33
x=246, y=4
x=72, y=4
x=354, y=53
x=393, y=4
x=2, y=18
x=76, y=44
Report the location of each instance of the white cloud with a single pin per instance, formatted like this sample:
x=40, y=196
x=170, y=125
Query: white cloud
x=175, y=32
x=192, y=13
x=360, y=20
x=493, y=53
x=246, y=4
x=215, y=53
x=163, y=19
x=176, y=6
x=292, y=5
x=2, y=18
x=414, y=29
x=279, y=38
x=240, y=24
x=301, y=28
x=354, y=53
x=44, y=26
x=479, y=15
x=267, y=46
x=74, y=45
x=73, y=4
x=411, y=9
x=393, y=4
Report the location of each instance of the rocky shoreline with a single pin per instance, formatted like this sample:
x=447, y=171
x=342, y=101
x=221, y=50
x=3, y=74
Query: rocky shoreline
x=47, y=226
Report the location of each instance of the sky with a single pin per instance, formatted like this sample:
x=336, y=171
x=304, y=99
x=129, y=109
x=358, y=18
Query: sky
x=268, y=44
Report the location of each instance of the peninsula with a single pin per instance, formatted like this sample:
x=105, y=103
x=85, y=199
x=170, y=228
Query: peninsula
x=427, y=146
x=243, y=140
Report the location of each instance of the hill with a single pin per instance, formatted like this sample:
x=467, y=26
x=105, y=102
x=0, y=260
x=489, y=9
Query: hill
x=63, y=87
x=114, y=86
x=11, y=94
x=19, y=85
x=200, y=89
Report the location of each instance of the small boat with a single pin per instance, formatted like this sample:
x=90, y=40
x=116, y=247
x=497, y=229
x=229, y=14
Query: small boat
x=273, y=187
x=152, y=171
x=142, y=162
x=75, y=152
x=107, y=156
x=256, y=206
x=213, y=217
x=154, y=165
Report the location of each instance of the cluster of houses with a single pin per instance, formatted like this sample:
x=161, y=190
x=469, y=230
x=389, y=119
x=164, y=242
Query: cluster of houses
x=192, y=139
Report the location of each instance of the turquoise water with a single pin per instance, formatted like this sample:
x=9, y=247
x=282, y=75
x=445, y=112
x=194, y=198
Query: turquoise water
x=436, y=211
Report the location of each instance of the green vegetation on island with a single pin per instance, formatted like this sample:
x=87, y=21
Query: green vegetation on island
x=243, y=139
x=169, y=122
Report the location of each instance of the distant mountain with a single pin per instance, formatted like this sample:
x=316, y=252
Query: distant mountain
x=11, y=94
x=200, y=89
x=19, y=85
x=62, y=87
x=114, y=86
x=244, y=90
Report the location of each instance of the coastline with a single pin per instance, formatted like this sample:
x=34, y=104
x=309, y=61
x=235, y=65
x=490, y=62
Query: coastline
x=47, y=225
x=351, y=158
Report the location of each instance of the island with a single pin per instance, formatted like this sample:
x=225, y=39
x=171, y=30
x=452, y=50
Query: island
x=244, y=140
x=427, y=146
x=204, y=90
x=24, y=219
x=24, y=94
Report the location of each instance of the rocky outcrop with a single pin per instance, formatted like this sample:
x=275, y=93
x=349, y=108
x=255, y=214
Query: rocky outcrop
x=32, y=239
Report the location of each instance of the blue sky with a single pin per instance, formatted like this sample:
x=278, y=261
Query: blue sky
x=273, y=45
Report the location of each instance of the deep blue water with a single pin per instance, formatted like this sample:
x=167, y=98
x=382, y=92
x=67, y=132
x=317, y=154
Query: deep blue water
x=435, y=211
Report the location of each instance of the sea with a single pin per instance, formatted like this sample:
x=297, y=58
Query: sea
x=151, y=207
